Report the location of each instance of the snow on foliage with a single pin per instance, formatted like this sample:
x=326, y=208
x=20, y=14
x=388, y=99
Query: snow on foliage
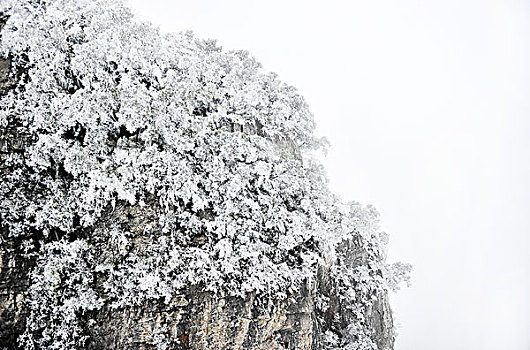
x=205, y=142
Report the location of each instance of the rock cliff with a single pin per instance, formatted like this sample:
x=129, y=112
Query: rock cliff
x=157, y=194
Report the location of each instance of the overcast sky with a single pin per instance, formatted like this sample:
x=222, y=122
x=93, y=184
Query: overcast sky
x=427, y=108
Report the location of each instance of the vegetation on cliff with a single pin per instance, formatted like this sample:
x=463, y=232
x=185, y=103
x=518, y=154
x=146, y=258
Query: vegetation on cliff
x=214, y=150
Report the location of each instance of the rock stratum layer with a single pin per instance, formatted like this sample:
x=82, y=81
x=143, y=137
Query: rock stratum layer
x=159, y=193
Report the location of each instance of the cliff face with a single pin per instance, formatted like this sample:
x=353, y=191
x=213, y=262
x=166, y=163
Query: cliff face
x=199, y=320
x=196, y=319
x=146, y=268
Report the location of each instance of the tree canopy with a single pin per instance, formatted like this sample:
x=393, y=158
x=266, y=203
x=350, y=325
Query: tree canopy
x=206, y=153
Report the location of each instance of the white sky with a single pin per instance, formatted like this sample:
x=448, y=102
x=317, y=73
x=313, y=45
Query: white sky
x=427, y=107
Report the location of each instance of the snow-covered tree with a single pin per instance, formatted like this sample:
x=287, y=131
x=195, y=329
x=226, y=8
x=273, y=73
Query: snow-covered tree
x=208, y=145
